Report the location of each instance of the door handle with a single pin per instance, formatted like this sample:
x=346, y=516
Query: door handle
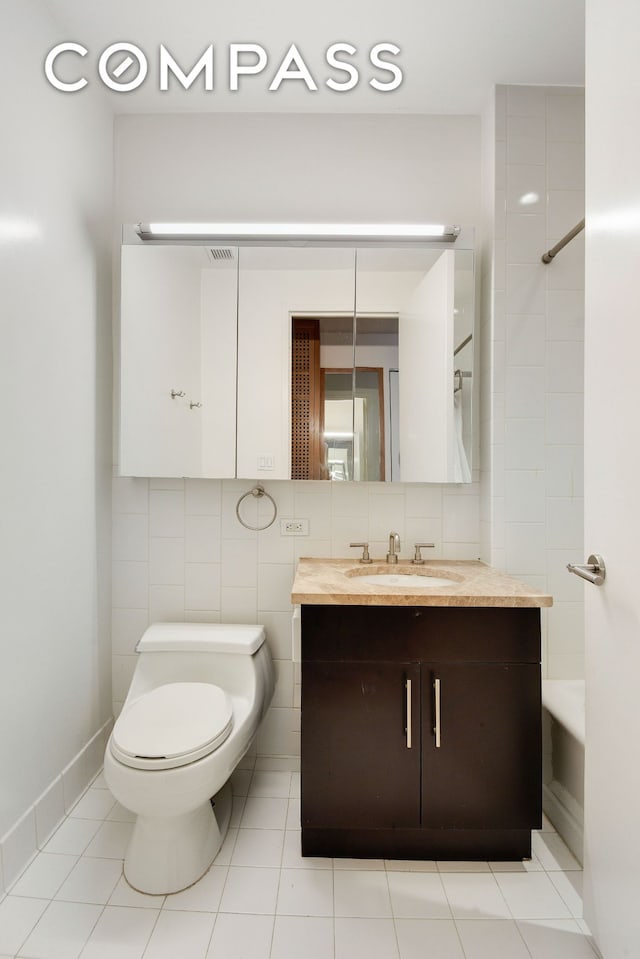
x=436, y=703
x=407, y=686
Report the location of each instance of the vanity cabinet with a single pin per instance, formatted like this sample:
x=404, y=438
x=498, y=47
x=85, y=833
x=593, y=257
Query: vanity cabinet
x=421, y=731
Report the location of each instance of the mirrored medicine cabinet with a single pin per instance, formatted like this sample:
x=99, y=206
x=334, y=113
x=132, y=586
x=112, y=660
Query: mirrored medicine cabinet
x=297, y=362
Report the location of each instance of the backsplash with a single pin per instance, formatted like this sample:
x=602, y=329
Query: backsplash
x=180, y=553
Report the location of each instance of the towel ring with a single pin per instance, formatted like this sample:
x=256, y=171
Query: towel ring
x=257, y=491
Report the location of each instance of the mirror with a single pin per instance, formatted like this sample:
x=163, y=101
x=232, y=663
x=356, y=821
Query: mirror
x=297, y=362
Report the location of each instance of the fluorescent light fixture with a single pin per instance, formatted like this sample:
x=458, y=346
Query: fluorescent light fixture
x=298, y=231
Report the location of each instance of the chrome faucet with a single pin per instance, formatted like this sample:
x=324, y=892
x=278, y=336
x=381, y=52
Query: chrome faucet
x=394, y=548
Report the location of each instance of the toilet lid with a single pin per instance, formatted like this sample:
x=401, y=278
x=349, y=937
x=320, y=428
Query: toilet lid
x=172, y=725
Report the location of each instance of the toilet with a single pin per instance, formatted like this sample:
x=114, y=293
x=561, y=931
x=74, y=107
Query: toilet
x=196, y=700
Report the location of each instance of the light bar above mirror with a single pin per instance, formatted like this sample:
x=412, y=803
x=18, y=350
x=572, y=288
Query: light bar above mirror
x=356, y=232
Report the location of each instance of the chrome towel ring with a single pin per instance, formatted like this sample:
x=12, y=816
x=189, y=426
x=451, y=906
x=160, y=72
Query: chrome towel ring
x=258, y=491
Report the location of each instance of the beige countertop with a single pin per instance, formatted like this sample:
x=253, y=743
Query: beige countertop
x=338, y=582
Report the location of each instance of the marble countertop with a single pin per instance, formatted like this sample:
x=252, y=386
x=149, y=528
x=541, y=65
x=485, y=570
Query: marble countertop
x=338, y=582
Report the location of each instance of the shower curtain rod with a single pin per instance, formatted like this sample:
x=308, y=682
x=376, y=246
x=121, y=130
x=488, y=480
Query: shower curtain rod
x=549, y=255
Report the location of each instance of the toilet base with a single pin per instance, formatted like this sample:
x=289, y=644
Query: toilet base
x=170, y=854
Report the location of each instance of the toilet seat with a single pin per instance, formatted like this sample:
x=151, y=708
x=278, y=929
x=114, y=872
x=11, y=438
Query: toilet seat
x=172, y=725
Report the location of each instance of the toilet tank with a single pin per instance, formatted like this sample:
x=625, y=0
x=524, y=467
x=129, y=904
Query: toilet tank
x=202, y=638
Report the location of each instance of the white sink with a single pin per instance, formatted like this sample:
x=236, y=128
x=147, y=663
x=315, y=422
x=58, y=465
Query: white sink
x=405, y=580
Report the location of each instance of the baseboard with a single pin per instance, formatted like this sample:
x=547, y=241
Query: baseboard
x=38, y=823
x=564, y=822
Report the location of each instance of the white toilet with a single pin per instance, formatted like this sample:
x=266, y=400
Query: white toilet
x=196, y=700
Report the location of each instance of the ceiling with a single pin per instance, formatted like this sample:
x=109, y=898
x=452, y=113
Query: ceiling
x=452, y=52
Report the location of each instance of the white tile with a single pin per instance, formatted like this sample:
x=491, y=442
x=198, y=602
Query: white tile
x=202, y=539
x=526, y=235
x=223, y=856
x=526, y=286
x=565, y=165
x=279, y=734
x=373, y=938
x=565, y=314
x=491, y=938
x=564, y=522
x=166, y=513
x=127, y=626
x=564, y=367
x=62, y=931
x=532, y=896
x=525, y=339
x=305, y=892
x=110, y=841
x=91, y=880
x=238, y=605
x=564, y=210
x=526, y=139
x=203, y=497
x=49, y=811
x=524, y=499
x=410, y=865
x=18, y=916
x=202, y=586
x=524, y=391
x=564, y=418
x=122, y=670
x=568, y=269
x=461, y=865
x=308, y=936
x=239, y=562
x=283, y=693
x=125, y=895
x=474, y=896
x=265, y=813
x=166, y=561
x=241, y=937
x=423, y=500
x=18, y=846
x=524, y=865
x=524, y=444
x=202, y=896
x=121, y=932
x=525, y=548
x=44, y=876
x=565, y=632
x=386, y=515
x=258, y=847
x=361, y=893
x=94, y=804
x=130, y=585
x=73, y=836
x=250, y=890
x=274, y=586
x=130, y=535
x=569, y=885
x=373, y=865
x=166, y=483
x=120, y=814
x=130, y=494
x=418, y=895
x=564, y=473
x=432, y=938
x=565, y=117
x=556, y=939
x=350, y=499
x=275, y=548
x=270, y=784
x=526, y=101
x=461, y=515
x=180, y=933
x=166, y=604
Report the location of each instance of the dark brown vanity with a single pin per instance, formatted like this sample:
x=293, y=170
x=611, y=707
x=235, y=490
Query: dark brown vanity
x=421, y=717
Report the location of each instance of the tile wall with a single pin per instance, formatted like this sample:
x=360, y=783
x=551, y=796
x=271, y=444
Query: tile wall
x=536, y=358
x=179, y=553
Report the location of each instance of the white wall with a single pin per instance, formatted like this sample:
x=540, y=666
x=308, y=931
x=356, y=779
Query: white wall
x=612, y=466
x=179, y=551
x=55, y=275
x=533, y=356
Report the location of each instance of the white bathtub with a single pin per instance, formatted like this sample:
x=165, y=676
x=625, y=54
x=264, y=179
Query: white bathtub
x=563, y=759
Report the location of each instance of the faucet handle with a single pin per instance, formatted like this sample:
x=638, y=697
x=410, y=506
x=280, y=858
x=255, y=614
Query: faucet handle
x=365, y=552
x=417, y=559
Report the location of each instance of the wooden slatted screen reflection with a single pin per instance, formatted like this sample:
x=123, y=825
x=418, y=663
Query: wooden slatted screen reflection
x=305, y=400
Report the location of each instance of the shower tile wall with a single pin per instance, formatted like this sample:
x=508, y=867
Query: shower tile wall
x=537, y=357
x=179, y=553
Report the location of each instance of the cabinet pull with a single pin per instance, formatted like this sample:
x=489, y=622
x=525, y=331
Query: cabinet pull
x=407, y=686
x=436, y=728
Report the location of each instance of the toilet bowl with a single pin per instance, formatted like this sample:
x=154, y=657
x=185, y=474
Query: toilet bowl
x=196, y=700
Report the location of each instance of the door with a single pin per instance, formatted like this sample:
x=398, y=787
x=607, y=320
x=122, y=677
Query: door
x=360, y=757
x=481, y=746
x=612, y=468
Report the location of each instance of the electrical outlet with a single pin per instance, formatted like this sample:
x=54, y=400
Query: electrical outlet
x=294, y=527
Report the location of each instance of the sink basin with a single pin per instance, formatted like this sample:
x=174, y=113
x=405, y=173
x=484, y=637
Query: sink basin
x=405, y=580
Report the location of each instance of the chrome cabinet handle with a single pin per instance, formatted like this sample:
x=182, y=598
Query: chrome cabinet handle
x=408, y=726
x=436, y=728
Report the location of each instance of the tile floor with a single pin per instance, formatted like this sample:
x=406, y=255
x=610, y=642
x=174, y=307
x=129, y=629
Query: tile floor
x=262, y=900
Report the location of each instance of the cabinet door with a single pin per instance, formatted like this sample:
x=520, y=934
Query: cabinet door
x=360, y=768
x=481, y=746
